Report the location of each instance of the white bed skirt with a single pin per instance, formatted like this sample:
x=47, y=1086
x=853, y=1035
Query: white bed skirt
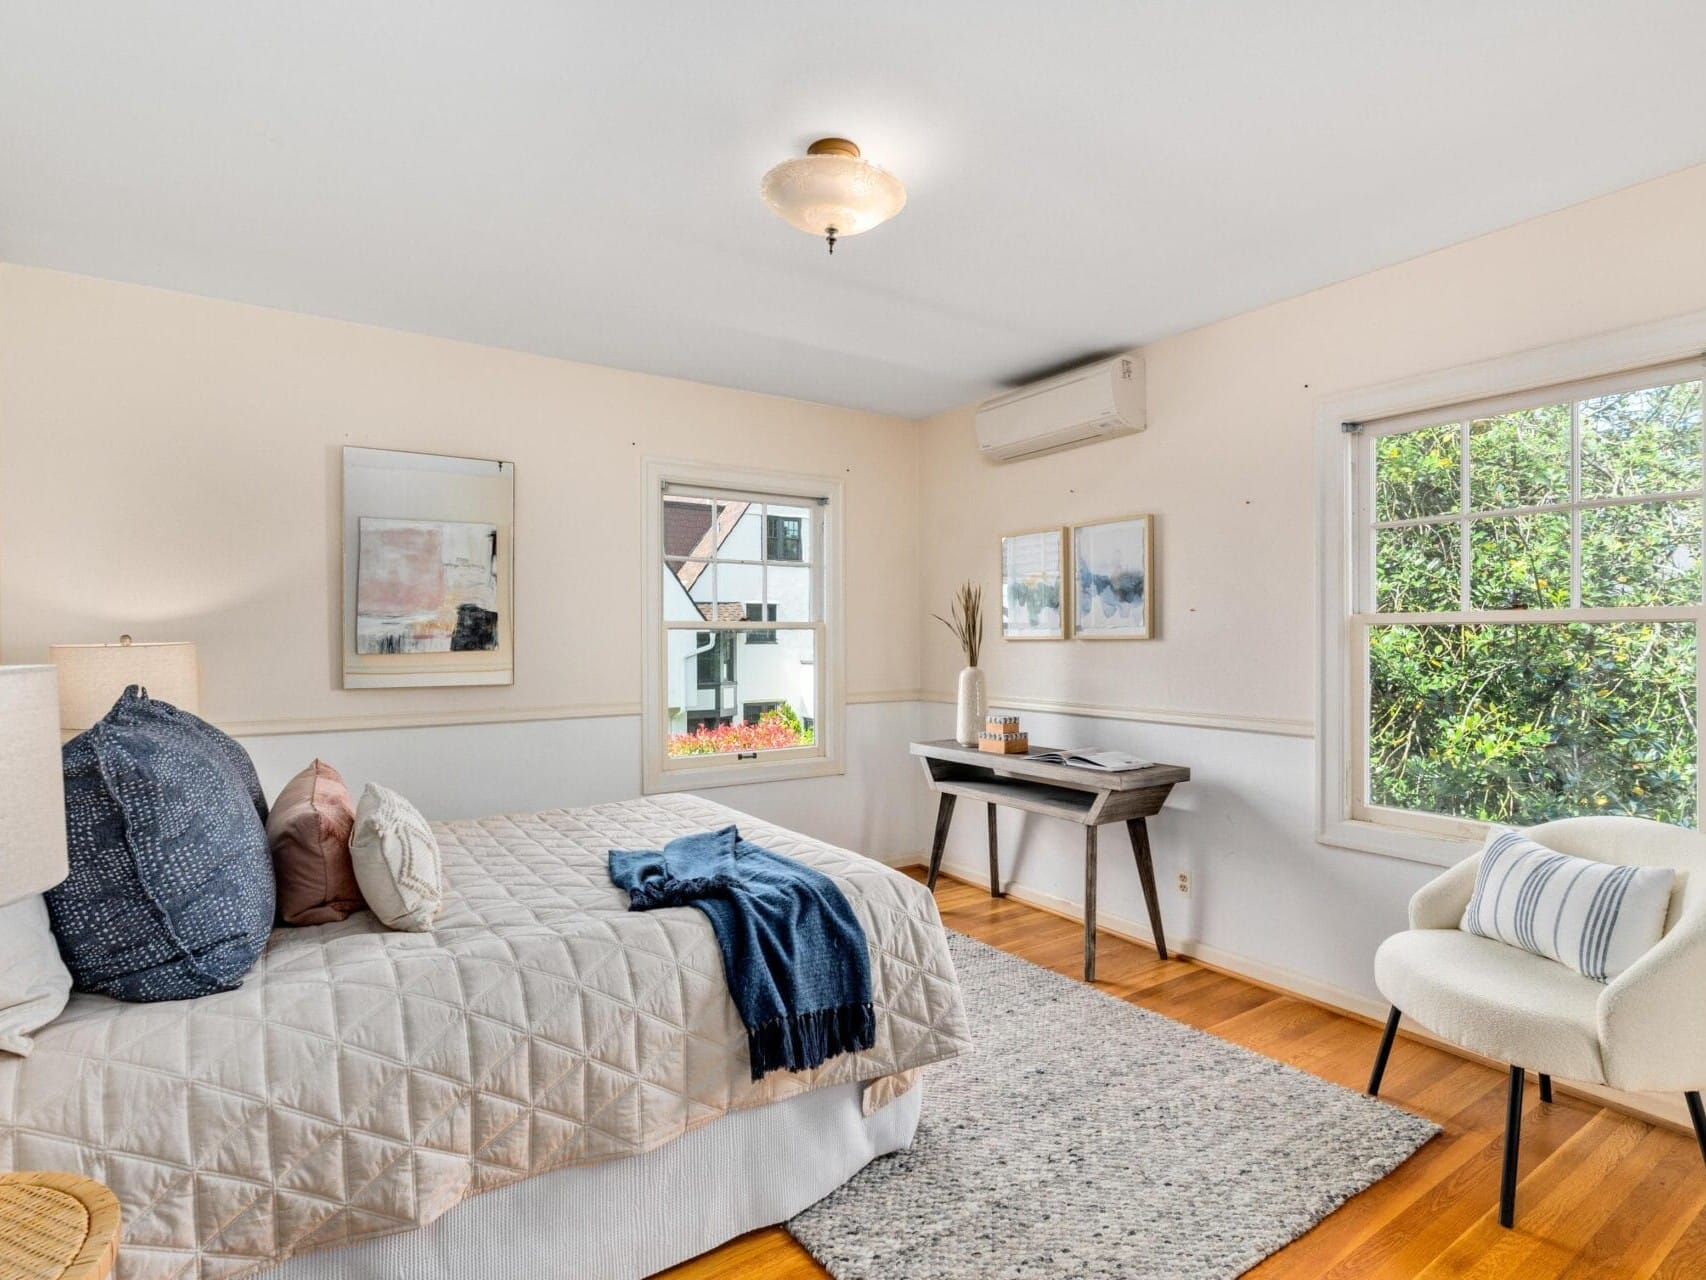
x=623, y=1219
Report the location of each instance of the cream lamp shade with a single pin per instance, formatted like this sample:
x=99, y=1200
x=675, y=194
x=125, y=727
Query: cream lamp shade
x=32, y=786
x=832, y=191
x=92, y=676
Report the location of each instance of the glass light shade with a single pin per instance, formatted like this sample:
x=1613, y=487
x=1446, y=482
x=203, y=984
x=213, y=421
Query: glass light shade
x=32, y=796
x=840, y=192
x=92, y=676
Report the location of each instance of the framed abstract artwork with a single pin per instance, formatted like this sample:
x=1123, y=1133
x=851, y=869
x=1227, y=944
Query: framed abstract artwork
x=1033, y=585
x=426, y=586
x=428, y=554
x=1113, y=579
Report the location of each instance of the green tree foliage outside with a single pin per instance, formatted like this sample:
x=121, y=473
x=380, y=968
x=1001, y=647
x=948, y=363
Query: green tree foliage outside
x=1522, y=722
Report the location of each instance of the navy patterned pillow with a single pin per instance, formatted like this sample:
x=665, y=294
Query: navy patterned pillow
x=171, y=889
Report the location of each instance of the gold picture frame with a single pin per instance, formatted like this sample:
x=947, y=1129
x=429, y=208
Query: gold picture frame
x=1024, y=578
x=1113, y=578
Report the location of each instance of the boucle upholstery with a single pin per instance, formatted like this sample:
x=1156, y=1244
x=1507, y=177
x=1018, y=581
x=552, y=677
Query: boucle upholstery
x=1460, y=987
x=1648, y=1026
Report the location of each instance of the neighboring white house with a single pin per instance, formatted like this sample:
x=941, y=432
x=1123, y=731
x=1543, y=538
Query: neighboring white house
x=752, y=567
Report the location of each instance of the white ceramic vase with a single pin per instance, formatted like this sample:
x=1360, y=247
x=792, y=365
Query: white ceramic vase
x=973, y=703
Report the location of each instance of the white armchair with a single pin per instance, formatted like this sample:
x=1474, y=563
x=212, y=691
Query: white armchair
x=1646, y=1029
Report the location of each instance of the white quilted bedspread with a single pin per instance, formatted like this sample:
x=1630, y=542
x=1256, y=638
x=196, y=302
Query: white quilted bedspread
x=362, y=1081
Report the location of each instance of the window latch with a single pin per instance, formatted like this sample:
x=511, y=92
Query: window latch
x=746, y=755
x=1350, y=428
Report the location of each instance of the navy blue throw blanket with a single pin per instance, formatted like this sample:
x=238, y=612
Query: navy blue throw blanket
x=794, y=954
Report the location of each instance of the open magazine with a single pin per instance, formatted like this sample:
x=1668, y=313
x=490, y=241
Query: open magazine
x=1106, y=761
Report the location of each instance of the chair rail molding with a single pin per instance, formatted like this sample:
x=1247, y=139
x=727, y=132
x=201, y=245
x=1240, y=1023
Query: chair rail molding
x=1273, y=725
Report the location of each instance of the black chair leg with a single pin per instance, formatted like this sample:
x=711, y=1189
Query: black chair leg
x=1545, y=1087
x=1385, y=1052
x=1513, y=1141
x=1697, y=1113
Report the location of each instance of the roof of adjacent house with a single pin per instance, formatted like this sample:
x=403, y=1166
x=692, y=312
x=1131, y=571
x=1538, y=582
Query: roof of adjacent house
x=688, y=534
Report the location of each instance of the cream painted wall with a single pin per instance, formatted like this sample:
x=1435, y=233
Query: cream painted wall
x=1228, y=463
x=1228, y=468
x=169, y=466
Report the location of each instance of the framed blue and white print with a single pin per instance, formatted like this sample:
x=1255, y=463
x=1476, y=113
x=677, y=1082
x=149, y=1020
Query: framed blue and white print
x=1113, y=579
x=1033, y=585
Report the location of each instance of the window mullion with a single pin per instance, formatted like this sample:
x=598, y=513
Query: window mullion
x=1364, y=540
x=1699, y=706
x=815, y=521
x=1543, y=508
x=1575, y=504
x=1463, y=542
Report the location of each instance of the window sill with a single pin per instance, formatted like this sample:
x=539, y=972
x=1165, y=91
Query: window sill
x=1397, y=842
x=662, y=781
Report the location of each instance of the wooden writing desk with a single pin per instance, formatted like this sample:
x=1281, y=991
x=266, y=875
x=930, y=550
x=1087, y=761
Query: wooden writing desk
x=1088, y=797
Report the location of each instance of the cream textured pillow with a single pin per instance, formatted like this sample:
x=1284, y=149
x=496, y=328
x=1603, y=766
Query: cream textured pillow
x=396, y=860
x=34, y=982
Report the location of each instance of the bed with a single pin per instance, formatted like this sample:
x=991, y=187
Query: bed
x=542, y=1045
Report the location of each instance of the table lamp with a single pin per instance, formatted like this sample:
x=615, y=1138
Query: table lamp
x=92, y=676
x=32, y=788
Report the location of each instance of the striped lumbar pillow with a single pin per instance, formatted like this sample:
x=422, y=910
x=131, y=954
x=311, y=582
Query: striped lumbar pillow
x=1595, y=917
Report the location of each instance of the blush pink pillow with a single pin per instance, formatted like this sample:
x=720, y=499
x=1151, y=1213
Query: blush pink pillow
x=308, y=830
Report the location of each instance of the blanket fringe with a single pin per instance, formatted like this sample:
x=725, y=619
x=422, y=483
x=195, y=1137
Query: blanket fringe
x=794, y=1042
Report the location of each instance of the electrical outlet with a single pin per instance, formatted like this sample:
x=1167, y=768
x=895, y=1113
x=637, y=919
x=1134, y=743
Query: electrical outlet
x=1185, y=883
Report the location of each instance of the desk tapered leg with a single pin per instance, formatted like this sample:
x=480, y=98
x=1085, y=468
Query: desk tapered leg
x=1090, y=903
x=1139, y=830
x=944, y=815
x=994, y=858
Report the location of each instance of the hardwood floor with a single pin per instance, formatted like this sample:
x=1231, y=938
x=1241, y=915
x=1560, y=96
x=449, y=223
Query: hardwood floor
x=1602, y=1195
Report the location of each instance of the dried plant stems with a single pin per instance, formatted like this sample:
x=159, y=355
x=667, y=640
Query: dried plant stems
x=967, y=623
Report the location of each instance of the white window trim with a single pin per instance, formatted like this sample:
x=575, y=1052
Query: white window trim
x=827, y=755
x=1340, y=714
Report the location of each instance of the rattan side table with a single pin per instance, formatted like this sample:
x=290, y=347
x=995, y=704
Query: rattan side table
x=56, y=1226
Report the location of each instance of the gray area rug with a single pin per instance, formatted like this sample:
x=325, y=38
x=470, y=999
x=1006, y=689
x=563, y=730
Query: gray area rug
x=1086, y=1137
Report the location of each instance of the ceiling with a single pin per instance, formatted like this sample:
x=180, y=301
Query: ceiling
x=581, y=180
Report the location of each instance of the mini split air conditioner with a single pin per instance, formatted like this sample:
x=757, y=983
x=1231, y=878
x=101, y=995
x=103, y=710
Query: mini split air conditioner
x=1096, y=402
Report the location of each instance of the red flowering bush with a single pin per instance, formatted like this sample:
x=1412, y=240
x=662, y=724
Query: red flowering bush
x=774, y=730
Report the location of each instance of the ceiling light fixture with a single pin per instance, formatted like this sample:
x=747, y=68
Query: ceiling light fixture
x=832, y=192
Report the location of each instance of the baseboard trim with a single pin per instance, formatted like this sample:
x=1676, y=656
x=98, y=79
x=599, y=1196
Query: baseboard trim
x=1660, y=1109
x=898, y=861
x=1147, y=715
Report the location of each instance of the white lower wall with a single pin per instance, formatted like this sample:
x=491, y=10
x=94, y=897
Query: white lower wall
x=1262, y=888
x=1266, y=899
x=470, y=770
x=464, y=771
